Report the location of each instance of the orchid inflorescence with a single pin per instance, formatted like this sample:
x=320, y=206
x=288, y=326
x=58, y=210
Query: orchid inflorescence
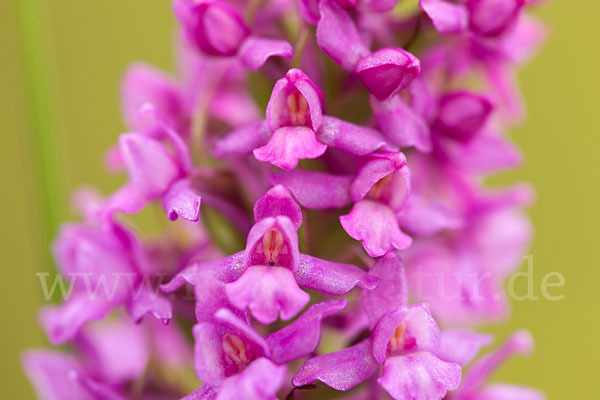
x=359, y=187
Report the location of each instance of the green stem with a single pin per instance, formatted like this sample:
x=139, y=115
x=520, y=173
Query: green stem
x=300, y=46
x=43, y=132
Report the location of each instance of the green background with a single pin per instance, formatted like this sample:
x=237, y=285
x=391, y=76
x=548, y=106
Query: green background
x=62, y=61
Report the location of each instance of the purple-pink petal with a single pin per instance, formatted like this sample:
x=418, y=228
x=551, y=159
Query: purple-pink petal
x=278, y=201
x=105, y=343
x=419, y=376
x=331, y=277
x=295, y=101
x=350, y=138
x=301, y=337
x=420, y=331
x=288, y=145
x=427, y=217
x=56, y=376
x=182, y=201
x=375, y=169
x=255, y=51
x=378, y=6
x=338, y=36
x=62, y=322
x=144, y=84
x=387, y=71
x=341, y=370
x=462, y=114
x=448, y=18
x=259, y=381
x=204, y=392
x=461, y=345
x=242, y=140
x=214, y=26
x=492, y=18
x=145, y=301
x=210, y=359
x=376, y=226
x=401, y=124
x=316, y=190
x=391, y=291
x=268, y=292
x=149, y=165
x=520, y=342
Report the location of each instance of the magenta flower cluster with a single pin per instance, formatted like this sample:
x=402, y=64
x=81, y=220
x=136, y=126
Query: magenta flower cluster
x=356, y=192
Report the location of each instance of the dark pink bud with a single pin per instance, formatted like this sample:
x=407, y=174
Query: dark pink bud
x=493, y=17
x=387, y=71
x=462, y=114
x=215, y=27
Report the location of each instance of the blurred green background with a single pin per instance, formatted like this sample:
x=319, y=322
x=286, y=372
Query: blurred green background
x=64, y=95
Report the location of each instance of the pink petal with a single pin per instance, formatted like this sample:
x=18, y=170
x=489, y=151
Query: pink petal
x=419, y=376
x=462, y=114
x=376, y=6
x=278, y=201
x=461, y=345
x=209, y=280
x=390, y=292
x=288, y=145
x=401, y=124
x=301, y=337
x=146, y=301
x=182, y=201
x=204, y=392
x=520, y=342
x=309, y=9
x=255, y=51
x=268, y=292
x=214, y=27
x=378, y=167
x=209, y=356
x=341, y=370
x=62, y=322
x=143, y=84
x=295, y=83
x=487, y=152
x=427, y=217
x=492, y=18
x=421, y=332
x=331, y=277
x=448, y=18
x=349, y=138
x=150, y=167
x=129, y=199
x=242, y=140
x=316, y=190
x=338, y=36
x=56, y=376
x=259, y=381
x=105, y=345
x=376, y=226
x=387, y=71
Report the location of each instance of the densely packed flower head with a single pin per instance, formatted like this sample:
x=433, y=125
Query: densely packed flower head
x=319, y=171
